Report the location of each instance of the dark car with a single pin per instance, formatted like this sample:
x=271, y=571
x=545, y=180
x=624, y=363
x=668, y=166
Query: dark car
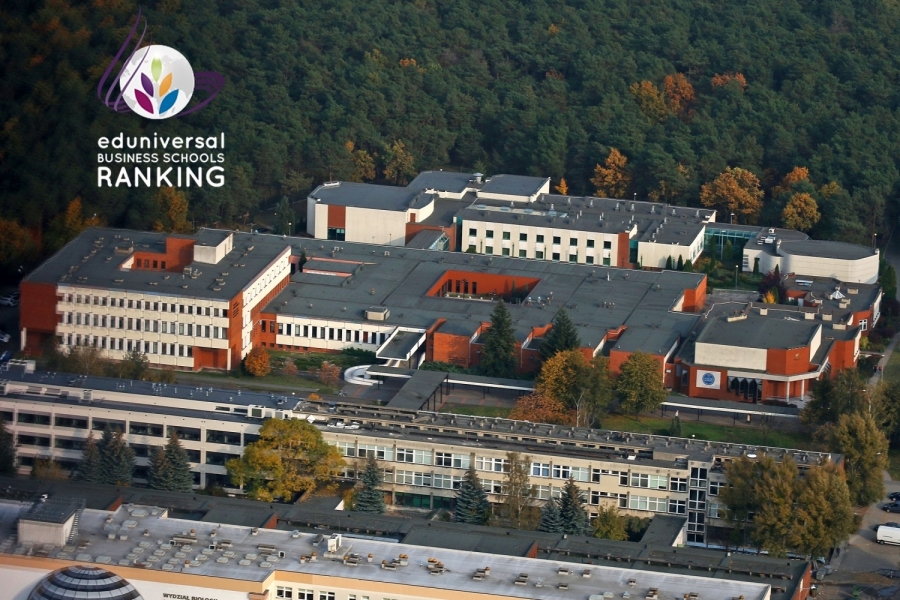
x=894, y=496
x=891, y=507
x=888, y=524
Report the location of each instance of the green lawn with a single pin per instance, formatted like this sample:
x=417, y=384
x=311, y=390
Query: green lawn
x=249, y=382
x=892, y=369
x=894, y=464
x=754, y=436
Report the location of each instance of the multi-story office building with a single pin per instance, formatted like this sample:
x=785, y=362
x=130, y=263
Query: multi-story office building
x=424, y=455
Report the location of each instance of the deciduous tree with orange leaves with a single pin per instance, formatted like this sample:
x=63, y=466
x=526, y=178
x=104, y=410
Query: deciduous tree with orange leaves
x=797, y=175
x=650, y=99
x=723, y=79
x=329, y=373
x=563, y=187
x=801, y=212
x=257, y=362
x=734, y=191
x=540, y=408
x=679, y=93
x=613, y=178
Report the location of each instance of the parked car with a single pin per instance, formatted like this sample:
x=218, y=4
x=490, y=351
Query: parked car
x=9, y=300
x=888, y=524
x=894, y=496
x=4, y=337
x=887, y=535
x=891, y=507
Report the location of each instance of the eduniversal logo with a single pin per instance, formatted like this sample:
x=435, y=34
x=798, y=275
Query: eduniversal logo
x=155, y=82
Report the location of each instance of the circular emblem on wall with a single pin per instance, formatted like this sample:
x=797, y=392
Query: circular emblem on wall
x=709, y=379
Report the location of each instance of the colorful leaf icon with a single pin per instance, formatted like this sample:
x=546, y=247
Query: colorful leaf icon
x=143, y=101
x=155, y=69
x=147, y=85
x=168, y=102
x=165, y=85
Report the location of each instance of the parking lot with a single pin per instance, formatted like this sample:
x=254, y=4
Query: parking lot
x=864, y=554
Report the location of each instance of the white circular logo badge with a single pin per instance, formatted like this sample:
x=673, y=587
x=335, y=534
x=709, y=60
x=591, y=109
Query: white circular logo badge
x=157, y=83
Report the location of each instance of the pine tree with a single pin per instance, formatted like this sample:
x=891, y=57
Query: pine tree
x=472, y=505
x=89, y=470
x=370, y=499
x=116, y=459
x=668, y=266
x=180, y=477
x=160, y=471
x=7, y=450
x=571, y=510
x=551, y=521
x=562, y=336
x=680, y=265
x=498, y=355
x=675, y=427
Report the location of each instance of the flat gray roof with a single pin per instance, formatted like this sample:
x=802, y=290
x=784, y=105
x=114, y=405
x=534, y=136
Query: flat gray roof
x=93, y=259
x=417, y=390
x=758, y=332
x=442, y=181
x=827, y=249
x=370, y=195
x=513, y=185
x=425, y=239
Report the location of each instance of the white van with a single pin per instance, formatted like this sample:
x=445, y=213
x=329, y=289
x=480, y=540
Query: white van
x=888, y=535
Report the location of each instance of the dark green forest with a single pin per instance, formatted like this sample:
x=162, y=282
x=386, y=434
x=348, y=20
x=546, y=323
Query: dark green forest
x=539, y=87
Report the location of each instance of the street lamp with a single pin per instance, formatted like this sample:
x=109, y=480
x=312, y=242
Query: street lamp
x=290, y=230
x=732, y=218
x=874, y=235
x=735, y=276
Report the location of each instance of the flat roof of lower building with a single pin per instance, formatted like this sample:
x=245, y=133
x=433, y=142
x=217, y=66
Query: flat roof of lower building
x=252, y=555
x=826, y=249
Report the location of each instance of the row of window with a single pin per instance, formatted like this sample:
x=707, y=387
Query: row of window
x=130, y=324
x=538, y=469
x=539, y=238
x=291, y=593
x=127, y=345
x=322, y=333
x=171, y=307
x=540, y=255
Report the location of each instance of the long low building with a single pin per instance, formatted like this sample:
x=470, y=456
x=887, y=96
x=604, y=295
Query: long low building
x=424, y=455
x=55, y=551
x=512, y=215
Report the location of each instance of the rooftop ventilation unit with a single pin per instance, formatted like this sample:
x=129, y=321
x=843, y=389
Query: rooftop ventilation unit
x=377, y=313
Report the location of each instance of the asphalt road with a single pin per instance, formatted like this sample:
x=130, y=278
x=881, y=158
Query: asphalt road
x=863, y=553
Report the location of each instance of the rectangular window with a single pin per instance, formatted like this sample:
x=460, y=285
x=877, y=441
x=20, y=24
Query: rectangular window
x=715, y=486
x=589, y=260
x=506, y=235
x=523, y=237
x=556, y=256
x=492, y=486
x=473, y=232
x=505, y=251
x=539, y=239
x=697, y=500
x=698, y=477
x=595, y=475
x=580, y=473
x=590, y=243
x=284, y=592
x=557, y=239
x=717, y=511
x=422, y=479
x=538, y=254
x=281, y=329
x=489, y=234
x=561, y=472
x=573, y=258
x=607, y=245
x=419, y=457
x=654, y=482
x=540, y=469
x=647, y=503
x=677, y=484
x=864, y=324
x=497, y=465
x=573, y=241
x=488, y=249
x=523, y=254
x=677, y=507
x=326, y=595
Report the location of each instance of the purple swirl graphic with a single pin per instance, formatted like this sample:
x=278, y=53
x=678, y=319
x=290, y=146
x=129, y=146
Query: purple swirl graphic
x=207, y=81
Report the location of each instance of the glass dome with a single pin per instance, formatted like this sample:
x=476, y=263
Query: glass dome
x=83, y=582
